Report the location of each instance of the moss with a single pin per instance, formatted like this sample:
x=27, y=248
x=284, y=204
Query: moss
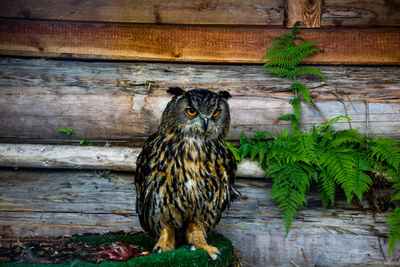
x=179, y=257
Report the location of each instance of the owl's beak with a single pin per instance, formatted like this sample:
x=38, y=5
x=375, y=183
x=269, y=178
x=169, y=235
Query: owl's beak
x=205, y=125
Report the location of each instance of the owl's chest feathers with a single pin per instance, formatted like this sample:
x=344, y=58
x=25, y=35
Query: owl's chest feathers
x=191, y=168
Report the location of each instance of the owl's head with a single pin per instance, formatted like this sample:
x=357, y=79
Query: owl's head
x=197, y=112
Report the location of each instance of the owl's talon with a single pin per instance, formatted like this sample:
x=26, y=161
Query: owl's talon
x=219, y=256
x=157, y=250
x=192, y=247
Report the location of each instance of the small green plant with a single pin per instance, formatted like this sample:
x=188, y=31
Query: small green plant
x=69, y=131
x=285, y=54
x=330, y=160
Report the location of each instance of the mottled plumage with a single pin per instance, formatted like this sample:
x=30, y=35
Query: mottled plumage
x=185, y=172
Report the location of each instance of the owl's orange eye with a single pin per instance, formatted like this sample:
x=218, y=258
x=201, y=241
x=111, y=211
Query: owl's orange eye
x=216, y=113
x=191, y=112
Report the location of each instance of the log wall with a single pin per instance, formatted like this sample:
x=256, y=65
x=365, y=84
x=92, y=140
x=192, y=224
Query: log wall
x=102, y=68
x=69, y=202
x=123, y=102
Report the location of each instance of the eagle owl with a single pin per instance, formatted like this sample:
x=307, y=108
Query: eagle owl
x=185, y=173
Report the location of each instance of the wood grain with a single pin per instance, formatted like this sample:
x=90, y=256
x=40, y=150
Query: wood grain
x=360, y=13
x=87, y=157
x=190, y=43
x=307, y=11
x=228, y=12
x=122, y=102
x=54, y=203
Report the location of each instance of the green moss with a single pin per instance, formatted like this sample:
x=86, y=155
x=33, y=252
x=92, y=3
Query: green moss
x=179, y=257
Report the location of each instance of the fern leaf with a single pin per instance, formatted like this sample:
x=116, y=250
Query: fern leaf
x=260, y=149
x=295, y=102
x=290, y=183
x=386, y=150
x=287, y=117
x=362, y=181
x=310, y=70
x=234, y=150
x=394, y=228
x=328, y=189
x=339, y=164
x=297, y=86
x=332, y=121
x=299, y=52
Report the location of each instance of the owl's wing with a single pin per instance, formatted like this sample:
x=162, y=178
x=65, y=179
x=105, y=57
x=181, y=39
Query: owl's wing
x=231, y=167
x=142, y=181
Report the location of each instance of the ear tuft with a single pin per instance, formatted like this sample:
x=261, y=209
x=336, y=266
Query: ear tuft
x=176, y=91
x=224, y=94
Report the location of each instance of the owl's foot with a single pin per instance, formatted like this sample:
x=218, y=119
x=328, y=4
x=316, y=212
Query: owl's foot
x=196, y=238
x=213, y=252
x=166, y=241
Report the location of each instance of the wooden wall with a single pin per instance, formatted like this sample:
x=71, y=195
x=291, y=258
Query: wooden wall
x=103, y=68
x=348, y=32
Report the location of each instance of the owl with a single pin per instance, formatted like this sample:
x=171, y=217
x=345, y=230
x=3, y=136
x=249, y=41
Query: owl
x=185, y=173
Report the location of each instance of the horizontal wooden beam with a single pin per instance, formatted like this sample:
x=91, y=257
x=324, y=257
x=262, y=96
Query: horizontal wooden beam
x=228, y=12
x=189, y=43
x=50, y=203
x=86, y=157
x=122, y=102
x=364, y=13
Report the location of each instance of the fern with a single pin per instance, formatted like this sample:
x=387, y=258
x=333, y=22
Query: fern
x=290, y=184
x=332, y=160
x=328, y=159
x=394, y=228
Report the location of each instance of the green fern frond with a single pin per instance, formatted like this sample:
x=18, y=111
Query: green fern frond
x=299, y=87
x=290, y=183
x=299, y=52
x=394, y=228
x=309, y=70
x=234, y=150
x=332, y=121
x=287, y=117
x=295, y=102
x=327, y=189
x=339, y=164
x=386, y=150
x=362, y=181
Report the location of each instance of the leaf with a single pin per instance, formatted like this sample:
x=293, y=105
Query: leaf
x=234, y=150
x=386, y=150
x=304, y=92
x=394, y=228
x=82, y=140
x=362, y=181
x=67, y=131
x=261, y=135
x=295, y=102
x=287, y=117
x=243, y=139
x=334, y=120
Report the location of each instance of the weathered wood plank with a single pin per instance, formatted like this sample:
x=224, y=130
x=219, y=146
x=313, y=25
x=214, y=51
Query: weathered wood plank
x=189, y=43
x=308, y=12
x=52, y=203
x=87, y=157
x=121, y=102
x=361, y=13
x=248, y=12
x=364, y=13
